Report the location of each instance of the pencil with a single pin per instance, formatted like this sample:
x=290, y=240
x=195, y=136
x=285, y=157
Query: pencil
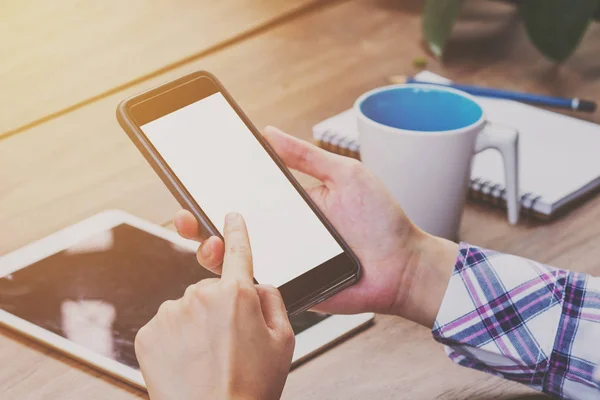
x=541, y=100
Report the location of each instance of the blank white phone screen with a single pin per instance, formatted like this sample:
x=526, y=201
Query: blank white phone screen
x=224, y=168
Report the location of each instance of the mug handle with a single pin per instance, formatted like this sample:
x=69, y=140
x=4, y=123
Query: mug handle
x=506, y=140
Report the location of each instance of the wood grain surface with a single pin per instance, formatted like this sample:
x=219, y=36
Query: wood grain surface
x=60, y=54
x=294, y=75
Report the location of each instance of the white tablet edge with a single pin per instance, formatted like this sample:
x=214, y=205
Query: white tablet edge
x=73, y=234
x=308, y=342
x=327, y=333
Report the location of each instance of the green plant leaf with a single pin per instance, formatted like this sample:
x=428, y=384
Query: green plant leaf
x=438, y=19
x=556, y=26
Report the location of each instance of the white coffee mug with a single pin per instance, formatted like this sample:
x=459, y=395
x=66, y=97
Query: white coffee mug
x=420, y=139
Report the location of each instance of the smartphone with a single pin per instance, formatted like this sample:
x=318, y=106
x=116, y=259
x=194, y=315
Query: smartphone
x=214, y=161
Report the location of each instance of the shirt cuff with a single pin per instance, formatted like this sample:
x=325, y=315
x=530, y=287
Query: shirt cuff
x=500, y=314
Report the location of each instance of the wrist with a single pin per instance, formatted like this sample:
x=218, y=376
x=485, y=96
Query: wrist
x=430, y=267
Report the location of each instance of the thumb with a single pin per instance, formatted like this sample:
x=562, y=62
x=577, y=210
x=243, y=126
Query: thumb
x=302, y=156
x=273, y=307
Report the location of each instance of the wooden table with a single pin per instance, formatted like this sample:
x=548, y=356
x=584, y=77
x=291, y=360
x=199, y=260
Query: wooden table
x=63, y=54
x=289, y=66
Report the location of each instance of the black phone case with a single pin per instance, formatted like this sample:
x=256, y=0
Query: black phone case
x=184, y=198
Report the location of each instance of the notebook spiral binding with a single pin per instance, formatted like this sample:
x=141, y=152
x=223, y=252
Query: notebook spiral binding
x=494, y=194
x=339, y=145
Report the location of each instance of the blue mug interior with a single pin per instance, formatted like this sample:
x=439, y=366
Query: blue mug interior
x=421, y=108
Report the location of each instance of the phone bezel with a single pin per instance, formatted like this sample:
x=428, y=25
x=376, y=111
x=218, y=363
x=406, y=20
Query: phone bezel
x=305, y=290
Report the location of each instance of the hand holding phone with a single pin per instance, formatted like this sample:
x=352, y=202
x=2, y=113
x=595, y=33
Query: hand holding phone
x=214, y=161
x=400, y=261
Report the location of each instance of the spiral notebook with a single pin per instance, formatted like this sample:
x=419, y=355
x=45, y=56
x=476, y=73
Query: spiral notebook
x=559, y=155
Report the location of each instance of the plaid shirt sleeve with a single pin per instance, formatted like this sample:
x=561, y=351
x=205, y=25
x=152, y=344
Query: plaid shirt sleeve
x=523, y=321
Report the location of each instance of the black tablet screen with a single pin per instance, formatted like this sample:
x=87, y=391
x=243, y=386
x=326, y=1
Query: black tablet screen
x=99, y=292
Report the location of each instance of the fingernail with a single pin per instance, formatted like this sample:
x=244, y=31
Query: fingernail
x=232, y=217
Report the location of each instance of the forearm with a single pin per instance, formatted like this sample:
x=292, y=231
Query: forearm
x=432, y=263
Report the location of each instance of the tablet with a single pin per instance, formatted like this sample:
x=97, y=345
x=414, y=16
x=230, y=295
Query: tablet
x=87, y=289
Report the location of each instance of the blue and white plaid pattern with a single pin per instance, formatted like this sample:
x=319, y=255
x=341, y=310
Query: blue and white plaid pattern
x=523, y=321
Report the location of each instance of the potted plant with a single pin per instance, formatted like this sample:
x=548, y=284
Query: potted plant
x=554, y=26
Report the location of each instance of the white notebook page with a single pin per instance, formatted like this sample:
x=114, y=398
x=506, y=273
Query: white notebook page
x=559, y=155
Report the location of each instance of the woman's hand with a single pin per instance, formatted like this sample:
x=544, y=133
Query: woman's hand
x=405, y=271
x=224, y=339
